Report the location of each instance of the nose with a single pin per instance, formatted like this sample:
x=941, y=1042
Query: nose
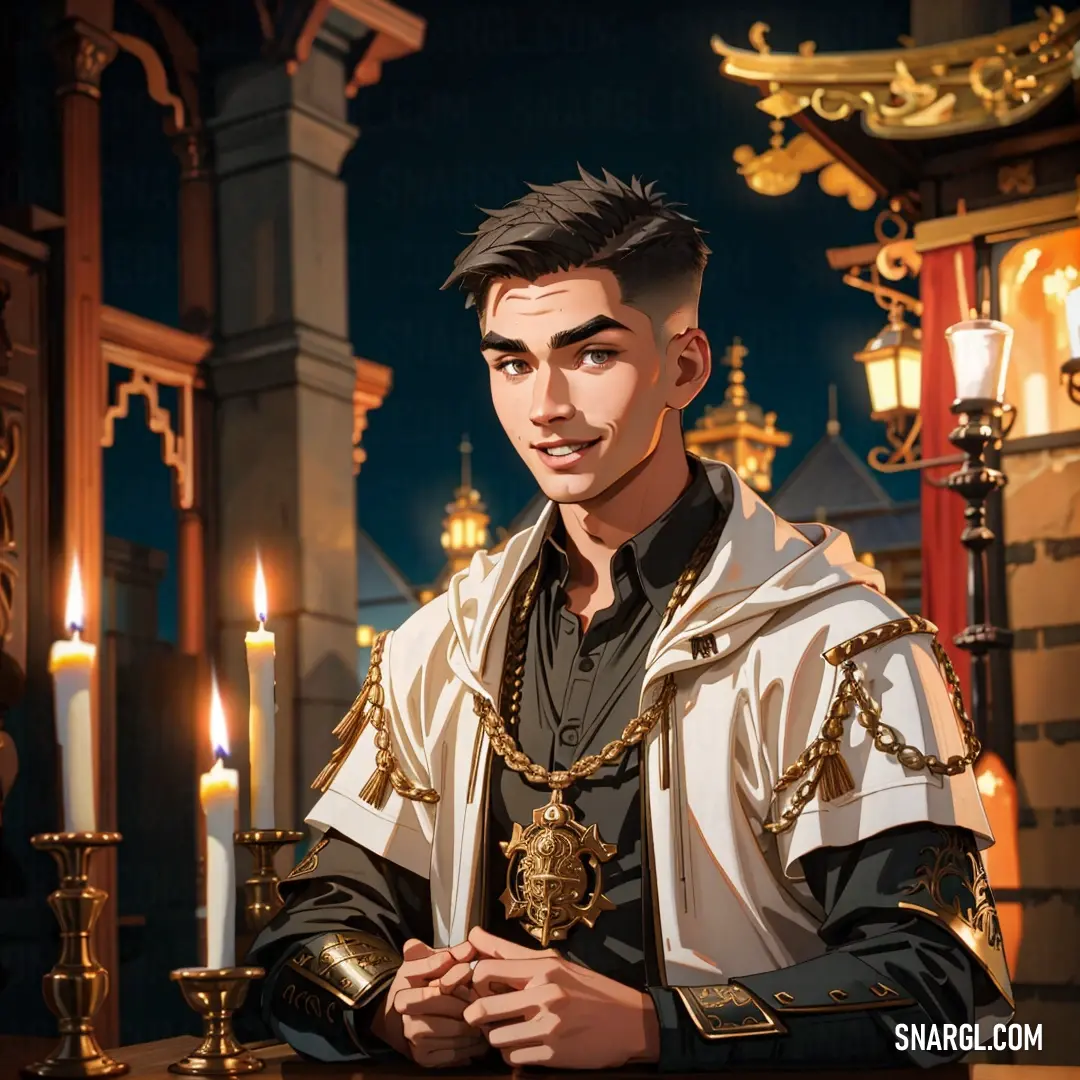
x=550, y=396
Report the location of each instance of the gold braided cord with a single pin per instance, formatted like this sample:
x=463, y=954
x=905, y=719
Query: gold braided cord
x=878, y=635
x=829, y=774
x=370, y=707
x=356, y=719
x=514, y=667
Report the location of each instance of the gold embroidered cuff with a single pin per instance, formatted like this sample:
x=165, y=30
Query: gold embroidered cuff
x=847, y=994
x=725, y=1012
x=352, y=966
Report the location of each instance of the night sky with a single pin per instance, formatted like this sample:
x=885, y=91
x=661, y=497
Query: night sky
x=505, y=93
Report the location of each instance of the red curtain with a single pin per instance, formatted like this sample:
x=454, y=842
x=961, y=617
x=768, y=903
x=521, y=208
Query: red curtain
x=947, y=289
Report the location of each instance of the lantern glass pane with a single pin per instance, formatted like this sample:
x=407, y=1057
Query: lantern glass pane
x=881, y=377
x=910, y=379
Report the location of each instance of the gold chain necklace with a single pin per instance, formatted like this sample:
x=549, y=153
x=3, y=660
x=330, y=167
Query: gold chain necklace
x=554, y=880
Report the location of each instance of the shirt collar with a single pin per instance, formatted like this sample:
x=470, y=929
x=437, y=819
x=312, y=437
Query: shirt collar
x=660, y=552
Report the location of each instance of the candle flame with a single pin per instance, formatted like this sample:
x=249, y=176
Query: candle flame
x=75, y=611
x=262, y=605
x=219, y=729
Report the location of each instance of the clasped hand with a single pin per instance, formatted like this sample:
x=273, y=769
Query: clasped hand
x=447, y=1006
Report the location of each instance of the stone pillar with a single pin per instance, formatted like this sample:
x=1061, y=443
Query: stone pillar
x=283, y=381
x=83, y=48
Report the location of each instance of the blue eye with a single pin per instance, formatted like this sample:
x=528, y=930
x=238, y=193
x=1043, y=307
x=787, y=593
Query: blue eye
x=596, y=357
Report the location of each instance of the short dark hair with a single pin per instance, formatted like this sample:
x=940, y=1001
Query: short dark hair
x=651, y=248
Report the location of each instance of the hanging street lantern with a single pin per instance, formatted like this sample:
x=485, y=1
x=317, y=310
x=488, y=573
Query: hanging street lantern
x=892, y=360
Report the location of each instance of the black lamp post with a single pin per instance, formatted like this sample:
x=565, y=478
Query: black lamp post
x=979, y=349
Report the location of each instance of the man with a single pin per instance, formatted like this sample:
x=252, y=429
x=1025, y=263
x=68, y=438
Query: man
x=668, y=780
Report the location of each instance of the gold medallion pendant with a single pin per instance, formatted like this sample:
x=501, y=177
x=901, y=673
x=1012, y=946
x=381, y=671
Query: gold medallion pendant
x=554, y=880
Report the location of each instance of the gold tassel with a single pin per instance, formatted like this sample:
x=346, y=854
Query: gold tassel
x=836, y=779
x=352, y=724
x=377, y=790
x=830, y=776
x=387, y=774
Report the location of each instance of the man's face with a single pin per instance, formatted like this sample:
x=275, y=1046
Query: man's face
x=578, y=379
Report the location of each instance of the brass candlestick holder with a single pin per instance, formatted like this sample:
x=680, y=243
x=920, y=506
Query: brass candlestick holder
x=77, y=985
x=215, y=994
x=261, y=899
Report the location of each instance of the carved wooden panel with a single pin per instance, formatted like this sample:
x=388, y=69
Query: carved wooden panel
x=13, y=522
x=27, y=625
x=21, y=375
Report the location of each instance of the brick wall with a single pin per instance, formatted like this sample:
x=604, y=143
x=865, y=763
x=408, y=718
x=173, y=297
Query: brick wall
x=1042, y=535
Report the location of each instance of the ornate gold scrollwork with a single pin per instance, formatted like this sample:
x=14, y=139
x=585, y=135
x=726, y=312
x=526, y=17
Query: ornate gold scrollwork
x=922, y=91
x=779, y=169
x=952, y=888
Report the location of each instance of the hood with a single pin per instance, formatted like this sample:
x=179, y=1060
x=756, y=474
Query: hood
x=761, y=565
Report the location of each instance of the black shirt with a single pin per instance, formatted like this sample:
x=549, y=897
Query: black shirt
x=580, y=690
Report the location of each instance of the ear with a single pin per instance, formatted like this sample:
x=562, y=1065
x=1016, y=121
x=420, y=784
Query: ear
x=689, y=365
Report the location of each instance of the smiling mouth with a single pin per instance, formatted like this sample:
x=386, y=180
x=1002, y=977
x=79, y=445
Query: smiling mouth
x=566, y=449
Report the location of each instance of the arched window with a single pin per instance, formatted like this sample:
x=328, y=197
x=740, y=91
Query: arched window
x=1033, y=277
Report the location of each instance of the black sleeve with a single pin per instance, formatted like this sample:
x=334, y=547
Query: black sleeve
x=884, y=966
x=331, y=952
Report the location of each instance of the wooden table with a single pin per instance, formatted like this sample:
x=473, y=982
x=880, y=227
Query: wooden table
x=151, y=1061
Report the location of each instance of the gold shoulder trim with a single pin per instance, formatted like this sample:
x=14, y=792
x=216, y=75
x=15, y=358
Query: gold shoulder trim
x=728, y=1011
x=821, y=767
x=878, y=635
x=369, y=707
x=309, y=863
x=952, y=888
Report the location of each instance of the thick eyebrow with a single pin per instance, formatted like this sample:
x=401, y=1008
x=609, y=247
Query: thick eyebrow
x=503, y=344
x=586, y=330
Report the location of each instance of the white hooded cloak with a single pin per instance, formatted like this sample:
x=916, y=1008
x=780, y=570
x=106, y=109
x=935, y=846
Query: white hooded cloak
x=729, y=895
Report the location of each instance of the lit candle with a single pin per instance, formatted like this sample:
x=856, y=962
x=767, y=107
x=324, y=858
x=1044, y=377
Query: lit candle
x=71, y=664
x=218, y=793
x=261, y=709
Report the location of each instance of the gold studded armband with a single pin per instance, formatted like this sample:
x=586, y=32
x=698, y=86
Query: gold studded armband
x=353, y=967
x=821, y=770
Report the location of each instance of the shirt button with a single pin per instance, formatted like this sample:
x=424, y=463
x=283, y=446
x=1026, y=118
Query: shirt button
x=568, y=736
x=586, y=664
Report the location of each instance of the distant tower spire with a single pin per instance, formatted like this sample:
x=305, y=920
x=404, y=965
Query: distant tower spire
x=738, y=431
x=465, y=527
x=465, y=447
x=833, y=426
x=733, y=357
